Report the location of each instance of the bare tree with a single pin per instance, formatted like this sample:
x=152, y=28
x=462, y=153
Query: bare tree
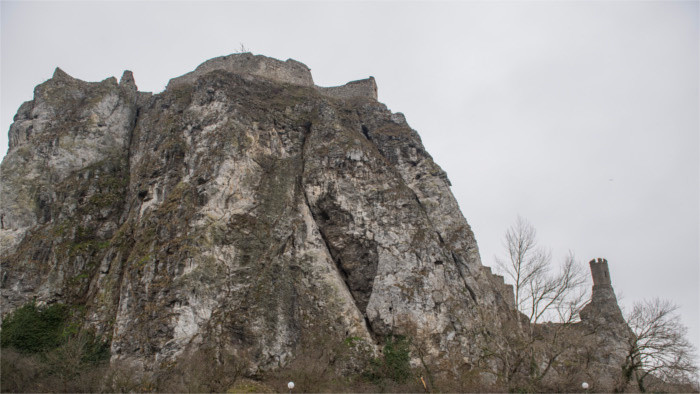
x=562, y=292
x=541, y=293
x=659, y=350
x=525, y=260
x=538, y=292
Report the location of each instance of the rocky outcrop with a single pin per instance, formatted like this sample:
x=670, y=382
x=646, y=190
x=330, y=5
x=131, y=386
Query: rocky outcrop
x=63, y=186
x=247, y=210
x=606, y=329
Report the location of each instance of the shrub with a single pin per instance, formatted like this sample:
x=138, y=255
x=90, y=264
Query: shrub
x=32, y=329
x=397, y=358
x=207, y=369
x=395, y=362
x=44, y=349
x=19, y=371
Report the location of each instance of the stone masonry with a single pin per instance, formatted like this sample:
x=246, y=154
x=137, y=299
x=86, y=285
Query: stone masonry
x=362, y=88
x=603, y=301
x=289, y=71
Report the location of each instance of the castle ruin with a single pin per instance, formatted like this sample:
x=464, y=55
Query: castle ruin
x=603, y=300
x=289, y=71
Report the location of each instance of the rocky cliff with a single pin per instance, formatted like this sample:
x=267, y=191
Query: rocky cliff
x=247, y=210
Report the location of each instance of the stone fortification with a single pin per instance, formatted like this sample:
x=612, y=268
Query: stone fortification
x=600, y=273
x=603, y=301
x=504, y=288
x=362, y=88
x=289, y=71
x=592, y=350
x=604, y=329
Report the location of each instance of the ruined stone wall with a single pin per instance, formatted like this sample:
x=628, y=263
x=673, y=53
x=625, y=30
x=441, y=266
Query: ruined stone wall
x=289, y=71
x=501, y=286
x=366, y=88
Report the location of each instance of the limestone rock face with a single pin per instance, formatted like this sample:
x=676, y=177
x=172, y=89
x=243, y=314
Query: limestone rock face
x=63, y=185
x=242, y=209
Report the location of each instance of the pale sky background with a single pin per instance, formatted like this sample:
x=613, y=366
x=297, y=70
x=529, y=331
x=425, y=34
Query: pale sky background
x=582, y=117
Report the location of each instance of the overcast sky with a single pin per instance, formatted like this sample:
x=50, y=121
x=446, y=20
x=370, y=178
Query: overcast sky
x=581, y=117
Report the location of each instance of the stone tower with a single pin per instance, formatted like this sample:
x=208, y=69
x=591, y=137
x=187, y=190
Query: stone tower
x=604, y=330
x=600, y=272
x=603, y=301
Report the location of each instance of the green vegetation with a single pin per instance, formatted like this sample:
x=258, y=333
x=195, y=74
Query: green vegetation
x=32, y=329
x=44, y=349
x=36, y=329
x=394, y=364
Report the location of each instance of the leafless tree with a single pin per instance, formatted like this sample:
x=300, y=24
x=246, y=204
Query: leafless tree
x=525, y=259
x=542, y=293
x=538, y=292
x=659, y=351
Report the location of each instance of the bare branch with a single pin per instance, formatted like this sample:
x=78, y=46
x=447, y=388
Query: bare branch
x=539, y=294
x=659, y=347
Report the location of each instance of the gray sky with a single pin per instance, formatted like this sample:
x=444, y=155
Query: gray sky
x=582, y=117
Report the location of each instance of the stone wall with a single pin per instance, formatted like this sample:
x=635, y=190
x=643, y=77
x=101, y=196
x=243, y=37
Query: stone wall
x=289, y=71
x=366, y=88
x=505, y=289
